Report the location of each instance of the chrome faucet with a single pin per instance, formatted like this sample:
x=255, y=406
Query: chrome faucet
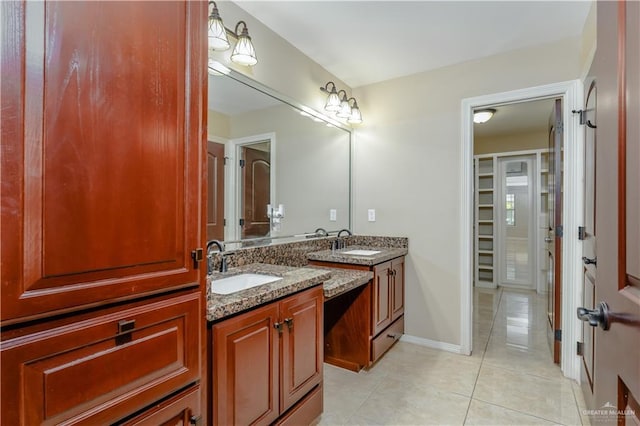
x=223, y=261
x=344, y=230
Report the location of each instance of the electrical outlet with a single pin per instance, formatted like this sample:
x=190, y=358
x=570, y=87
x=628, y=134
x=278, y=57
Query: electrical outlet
x=372, y=215
x=333, y=214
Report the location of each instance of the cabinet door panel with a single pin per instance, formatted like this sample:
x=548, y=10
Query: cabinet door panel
x=301, y=345
x=381, y=297
x=246, y=368
x=96, y=371
x=101, y=199
x=397, y=288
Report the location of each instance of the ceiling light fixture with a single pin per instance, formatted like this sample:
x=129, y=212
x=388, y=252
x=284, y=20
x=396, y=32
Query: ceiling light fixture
x=340, y=104
x=483, y=115
x=243, y=53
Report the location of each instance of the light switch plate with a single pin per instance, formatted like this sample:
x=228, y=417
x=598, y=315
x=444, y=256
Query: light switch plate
x=333, y=214
x=372, y=215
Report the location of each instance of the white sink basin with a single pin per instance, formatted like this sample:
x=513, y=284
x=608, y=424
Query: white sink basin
x=361, y=252
x=240, y=282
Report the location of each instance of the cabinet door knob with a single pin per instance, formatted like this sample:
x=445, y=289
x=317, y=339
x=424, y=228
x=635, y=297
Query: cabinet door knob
x=289, y=322
x=278, y=326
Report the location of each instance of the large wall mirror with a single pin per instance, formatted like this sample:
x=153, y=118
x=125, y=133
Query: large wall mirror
x=270, y=157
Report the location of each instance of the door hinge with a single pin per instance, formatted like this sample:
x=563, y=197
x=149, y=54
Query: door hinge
x=557, y=336
x=579, y=348
x=225, y=160
x=582, y=233
x=224, y=222
x=559, y=231
x=242, y=163
x=241, y=222
x=195, y=420
x=582, y=115
x=197, y=255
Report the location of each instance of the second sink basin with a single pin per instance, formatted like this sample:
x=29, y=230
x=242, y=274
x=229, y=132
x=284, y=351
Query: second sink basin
x=361, y=252
x=240, y=282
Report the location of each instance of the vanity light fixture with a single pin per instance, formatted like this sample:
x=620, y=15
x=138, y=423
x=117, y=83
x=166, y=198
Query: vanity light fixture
x=333, y=100
x=483, y=115
x=338, y=103
x=243, y=53
x=217, y=33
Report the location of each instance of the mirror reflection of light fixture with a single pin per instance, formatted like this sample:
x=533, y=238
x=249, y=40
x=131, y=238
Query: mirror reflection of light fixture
x=338, y=103
x=243, y=53
x=217, y=33
x=483, y=115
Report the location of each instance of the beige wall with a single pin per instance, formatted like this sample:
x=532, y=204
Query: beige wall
x=407, y=161
x=407, y=166
x=510, y=142
x=218, y=124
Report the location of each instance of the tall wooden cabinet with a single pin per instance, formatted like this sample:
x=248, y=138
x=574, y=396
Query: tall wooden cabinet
x=101, y=208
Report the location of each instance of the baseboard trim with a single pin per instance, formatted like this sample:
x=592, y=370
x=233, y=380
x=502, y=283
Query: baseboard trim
x=434, y=344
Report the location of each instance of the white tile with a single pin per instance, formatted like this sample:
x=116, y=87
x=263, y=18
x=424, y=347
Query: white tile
x=482, y=413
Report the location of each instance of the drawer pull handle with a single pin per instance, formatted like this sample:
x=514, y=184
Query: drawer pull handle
x=289, y=322
x=391, y=336
x=126, y=326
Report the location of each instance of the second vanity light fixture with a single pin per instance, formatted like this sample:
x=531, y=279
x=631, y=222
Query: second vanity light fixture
x=338, y=103
x=243, y=52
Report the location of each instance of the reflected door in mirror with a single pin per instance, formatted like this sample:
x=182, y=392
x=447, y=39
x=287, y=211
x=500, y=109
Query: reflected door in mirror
x=256, y=194
x=215, y=191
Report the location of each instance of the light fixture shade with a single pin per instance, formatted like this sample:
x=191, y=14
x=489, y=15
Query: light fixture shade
x=356, y=116
x=244, y=52
x=217, y=34
x=345, y=109
x=483, y=115
x=333, y=101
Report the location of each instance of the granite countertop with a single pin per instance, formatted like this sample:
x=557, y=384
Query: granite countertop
x=294, y=279
x=343, y=280
x=338, y=256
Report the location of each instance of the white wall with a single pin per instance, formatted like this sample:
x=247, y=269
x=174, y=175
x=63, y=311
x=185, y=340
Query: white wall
x=407, y=166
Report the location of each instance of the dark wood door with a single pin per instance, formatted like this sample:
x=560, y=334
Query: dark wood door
x=616, y=68
x=215, y=191
x=246, y=370
x=302, y=346
x=381, y=297
x=256, y=192
x=397, y=288
x=102, y=111
x=554, y=234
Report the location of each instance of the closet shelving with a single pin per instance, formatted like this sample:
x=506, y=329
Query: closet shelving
x=484, y=218
x=486, y=175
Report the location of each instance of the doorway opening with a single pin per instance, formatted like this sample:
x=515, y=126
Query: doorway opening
x=568, y=93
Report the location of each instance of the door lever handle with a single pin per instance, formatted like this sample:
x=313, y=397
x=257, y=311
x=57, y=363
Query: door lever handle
x=595, y=317
x=588, y=261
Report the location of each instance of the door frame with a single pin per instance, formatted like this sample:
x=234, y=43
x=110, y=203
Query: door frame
x=571, y=94
x=232, y=152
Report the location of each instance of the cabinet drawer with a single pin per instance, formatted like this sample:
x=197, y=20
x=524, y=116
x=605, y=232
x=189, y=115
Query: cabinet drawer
x=386, y=339
x=102, y=368
x=306, y=411
x=177, y=411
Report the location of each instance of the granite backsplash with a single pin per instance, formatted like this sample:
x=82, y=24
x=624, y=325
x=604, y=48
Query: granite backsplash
x=295, y=253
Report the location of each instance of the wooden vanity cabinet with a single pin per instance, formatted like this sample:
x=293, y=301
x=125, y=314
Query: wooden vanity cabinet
x=101, y=163
x=267, y=362
x=363, y=324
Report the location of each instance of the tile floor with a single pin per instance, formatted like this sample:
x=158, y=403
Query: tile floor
x=510, y=378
